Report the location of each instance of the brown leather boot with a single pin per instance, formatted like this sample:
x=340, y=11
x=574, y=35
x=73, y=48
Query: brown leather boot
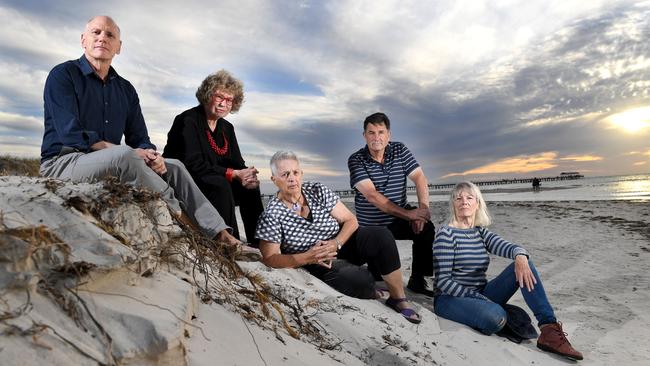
x=553, y=339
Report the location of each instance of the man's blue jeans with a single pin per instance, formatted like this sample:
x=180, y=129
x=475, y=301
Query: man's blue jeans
x=489, y=316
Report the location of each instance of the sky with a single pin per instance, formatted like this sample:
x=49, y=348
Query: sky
x=476, y=89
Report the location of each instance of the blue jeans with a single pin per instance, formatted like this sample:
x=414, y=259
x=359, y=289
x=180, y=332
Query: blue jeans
x=489, y=316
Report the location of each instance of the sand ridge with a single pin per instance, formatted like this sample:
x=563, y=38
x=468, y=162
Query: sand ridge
x=594, y=258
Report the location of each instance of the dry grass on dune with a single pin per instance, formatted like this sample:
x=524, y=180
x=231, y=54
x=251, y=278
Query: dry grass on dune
x=12, y=165
x=210, y=267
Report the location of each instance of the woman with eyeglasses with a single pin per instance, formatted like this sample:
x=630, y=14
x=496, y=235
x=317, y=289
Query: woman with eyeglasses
x=205, y=142
x=305, y=225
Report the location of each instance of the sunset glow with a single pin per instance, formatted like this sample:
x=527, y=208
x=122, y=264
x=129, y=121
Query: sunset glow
x=632, y=120
x=518, y=164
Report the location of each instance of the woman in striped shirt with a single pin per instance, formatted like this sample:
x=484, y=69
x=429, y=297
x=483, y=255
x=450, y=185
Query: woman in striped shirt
x=460, y=260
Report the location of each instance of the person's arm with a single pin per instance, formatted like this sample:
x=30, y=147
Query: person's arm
x=101, y=145
x=272, y=257
x=443, y=267
x=368, y=190
x=62, y=108
x=135, y=131
x=416, y=175
x=503, y=248
x=499, y=246
x=137, y=137
x=247, y=176
x=187, y=138
x=348, y=223
x=422, y=190
x=235, y=156
x=421, y=187
x=270, y=231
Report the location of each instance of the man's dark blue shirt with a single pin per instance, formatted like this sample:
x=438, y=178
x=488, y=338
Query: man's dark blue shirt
x=82, y=109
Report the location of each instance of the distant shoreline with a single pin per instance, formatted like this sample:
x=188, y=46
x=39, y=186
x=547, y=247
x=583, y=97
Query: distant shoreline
x=507, y=190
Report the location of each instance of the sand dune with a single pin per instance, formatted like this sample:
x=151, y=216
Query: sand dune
x=593, y=256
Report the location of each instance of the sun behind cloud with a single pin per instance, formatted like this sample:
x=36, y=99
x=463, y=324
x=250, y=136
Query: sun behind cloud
x=631, y=120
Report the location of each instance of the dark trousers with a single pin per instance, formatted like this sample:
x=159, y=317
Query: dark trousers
x=373, y=245
x=422, y=245
x=225, y=195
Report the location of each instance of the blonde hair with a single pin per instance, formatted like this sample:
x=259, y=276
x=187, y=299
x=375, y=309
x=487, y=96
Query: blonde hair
x=482, y=215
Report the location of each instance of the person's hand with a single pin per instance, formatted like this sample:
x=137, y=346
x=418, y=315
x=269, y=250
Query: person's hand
x=100, y=145
x=146, y=154
x=251, y=183
x=153, y=159
x=323, y=253
x=158, y=165
x=247, y=176
x=523, y=274
x=417, y=226
x=419, y=214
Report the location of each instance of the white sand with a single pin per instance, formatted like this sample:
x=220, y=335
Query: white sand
x=594, y=258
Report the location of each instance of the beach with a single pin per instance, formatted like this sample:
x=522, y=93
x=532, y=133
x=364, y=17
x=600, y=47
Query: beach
x=141, y=300
x=594, y=259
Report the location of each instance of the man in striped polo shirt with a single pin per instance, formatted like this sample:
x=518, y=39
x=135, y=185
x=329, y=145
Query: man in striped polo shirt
x=378, y=174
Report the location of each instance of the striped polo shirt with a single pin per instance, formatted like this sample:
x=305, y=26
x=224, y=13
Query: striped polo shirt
x=389, y=179
x=460, y=259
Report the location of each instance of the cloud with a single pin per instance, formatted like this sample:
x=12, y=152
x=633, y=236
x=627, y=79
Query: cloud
x=632, y=120
x=582, y=158
x=519, y=164
x=17, y=122
x=633, y=153
x=470, y=86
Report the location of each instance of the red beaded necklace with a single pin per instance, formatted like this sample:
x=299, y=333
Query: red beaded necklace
x=221, y=151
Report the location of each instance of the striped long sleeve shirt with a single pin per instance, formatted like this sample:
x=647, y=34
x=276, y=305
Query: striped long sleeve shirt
x=460, y=259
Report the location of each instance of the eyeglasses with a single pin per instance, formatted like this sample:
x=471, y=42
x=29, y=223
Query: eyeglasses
x=220, y=98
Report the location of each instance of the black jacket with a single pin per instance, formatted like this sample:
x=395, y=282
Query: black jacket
x=187, y=141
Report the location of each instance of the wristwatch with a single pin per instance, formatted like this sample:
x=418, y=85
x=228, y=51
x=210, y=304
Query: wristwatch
x=338, y=244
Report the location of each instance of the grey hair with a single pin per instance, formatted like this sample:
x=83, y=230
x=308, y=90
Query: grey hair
x=279, y=156
x=107, y=17
x=224, y=81
x=482, y=215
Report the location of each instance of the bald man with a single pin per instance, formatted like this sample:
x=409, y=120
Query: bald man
x=89, y=108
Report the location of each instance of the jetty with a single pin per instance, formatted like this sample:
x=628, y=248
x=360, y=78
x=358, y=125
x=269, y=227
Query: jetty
x=480, y=183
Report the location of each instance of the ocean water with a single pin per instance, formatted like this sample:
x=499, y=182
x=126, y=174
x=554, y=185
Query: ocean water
x=628, y=187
